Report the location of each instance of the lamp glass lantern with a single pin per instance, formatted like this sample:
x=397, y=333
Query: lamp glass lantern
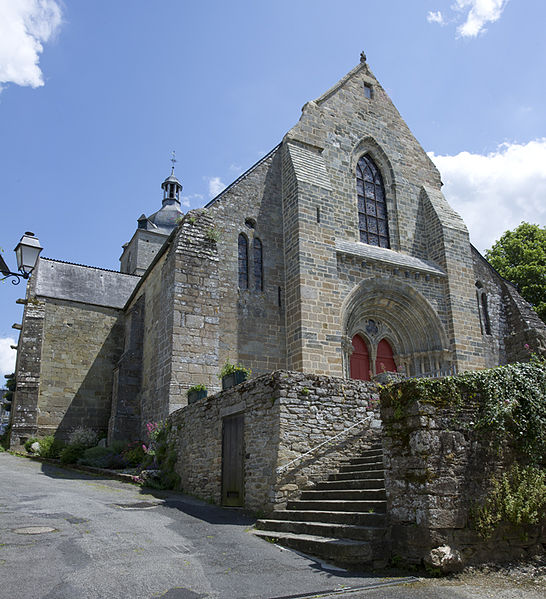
x=27, y=252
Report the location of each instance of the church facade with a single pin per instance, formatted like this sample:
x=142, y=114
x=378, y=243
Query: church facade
x=336, y=254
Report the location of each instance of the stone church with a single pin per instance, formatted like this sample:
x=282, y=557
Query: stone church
x=336, y=254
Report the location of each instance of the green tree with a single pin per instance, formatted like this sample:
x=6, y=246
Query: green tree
x=520, y=257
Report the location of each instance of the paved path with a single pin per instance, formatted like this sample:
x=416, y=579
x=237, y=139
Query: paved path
x=112, y=540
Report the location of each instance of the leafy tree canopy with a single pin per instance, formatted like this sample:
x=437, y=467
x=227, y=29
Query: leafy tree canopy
x=520, y=257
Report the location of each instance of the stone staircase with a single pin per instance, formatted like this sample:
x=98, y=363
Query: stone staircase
x=342, y=519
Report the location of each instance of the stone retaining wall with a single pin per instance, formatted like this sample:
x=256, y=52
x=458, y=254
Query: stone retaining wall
x=285, y=415
x=437, y=468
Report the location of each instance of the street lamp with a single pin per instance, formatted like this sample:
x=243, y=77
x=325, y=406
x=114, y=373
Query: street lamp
x=27, y=252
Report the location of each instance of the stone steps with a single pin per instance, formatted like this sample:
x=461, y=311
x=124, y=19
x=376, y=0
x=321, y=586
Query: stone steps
x=344, y=494
x=342, y=519
x=337, y=517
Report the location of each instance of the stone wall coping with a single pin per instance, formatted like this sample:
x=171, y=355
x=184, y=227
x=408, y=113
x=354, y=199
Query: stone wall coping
x=384, y=255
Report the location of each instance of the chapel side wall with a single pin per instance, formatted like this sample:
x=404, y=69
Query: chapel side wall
x=332, y=134
x=80, y=348
x=493, y=343
x=252, y=321
x=437, y=468
x=152, y=370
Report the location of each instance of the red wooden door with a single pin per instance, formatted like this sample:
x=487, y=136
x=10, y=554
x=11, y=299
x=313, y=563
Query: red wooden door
x=360, y=360
x=384, y=361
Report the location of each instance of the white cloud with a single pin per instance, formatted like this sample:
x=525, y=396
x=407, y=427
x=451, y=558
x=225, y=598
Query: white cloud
x=196, y=198
x=478, y=14
x=435, y=17
x=481, y=12
x=24, y=26
x=216, y=185
x=7, y=357
x=497, y=191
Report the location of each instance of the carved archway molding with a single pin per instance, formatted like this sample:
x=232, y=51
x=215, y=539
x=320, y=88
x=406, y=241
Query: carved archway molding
x=384, y=309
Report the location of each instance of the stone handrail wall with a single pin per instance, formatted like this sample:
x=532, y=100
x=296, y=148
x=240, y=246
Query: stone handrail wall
x=285, y=415
x=312, y=409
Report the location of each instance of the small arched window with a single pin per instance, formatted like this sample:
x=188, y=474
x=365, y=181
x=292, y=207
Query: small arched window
x=258, y=265
x=372, y=207
x=485, y=312
x=243, y=261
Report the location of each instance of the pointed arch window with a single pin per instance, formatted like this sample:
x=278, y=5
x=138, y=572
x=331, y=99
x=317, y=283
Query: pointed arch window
x=258, y=265
x=372, y=207
x=243, y=261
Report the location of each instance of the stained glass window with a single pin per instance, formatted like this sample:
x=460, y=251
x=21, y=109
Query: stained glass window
x=372, y=209
x=243, y=262
x=258, y=265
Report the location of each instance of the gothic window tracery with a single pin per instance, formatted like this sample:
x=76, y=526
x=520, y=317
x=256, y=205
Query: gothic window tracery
x=243, y=261
x=372, y=207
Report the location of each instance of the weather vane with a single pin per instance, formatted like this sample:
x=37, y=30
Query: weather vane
x=173, y=160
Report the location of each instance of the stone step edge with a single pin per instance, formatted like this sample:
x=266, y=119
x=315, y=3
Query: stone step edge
x=329, y=524
x=310, y=538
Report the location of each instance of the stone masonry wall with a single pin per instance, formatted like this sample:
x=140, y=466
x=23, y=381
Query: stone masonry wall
x=320, y=215
x=252, y=321
x=197, y=432
x=285, y=415
x=29, y=349
x=316, y=408
x=436, y=469
x=81, y=345
x=514, y=324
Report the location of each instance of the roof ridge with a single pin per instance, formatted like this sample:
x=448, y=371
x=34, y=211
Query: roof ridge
x=246, y=173
x=87, y=266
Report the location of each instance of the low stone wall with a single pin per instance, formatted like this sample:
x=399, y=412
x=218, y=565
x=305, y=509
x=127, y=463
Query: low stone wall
x=437, y=469
x=285, y=415
x=313, y=409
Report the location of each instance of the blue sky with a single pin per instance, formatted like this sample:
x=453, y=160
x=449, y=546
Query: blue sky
x=96, y=95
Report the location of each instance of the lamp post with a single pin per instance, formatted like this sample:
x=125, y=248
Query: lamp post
x=27, y=252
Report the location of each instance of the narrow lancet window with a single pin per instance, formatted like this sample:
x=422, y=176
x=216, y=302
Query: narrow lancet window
x=258, y=265
x=243, y=262
x=372, y=207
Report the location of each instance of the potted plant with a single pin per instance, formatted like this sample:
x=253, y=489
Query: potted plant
x=233, y=374
x=196, y=392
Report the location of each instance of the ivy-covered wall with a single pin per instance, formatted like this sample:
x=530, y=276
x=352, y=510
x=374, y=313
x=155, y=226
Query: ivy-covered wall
x=464, y=466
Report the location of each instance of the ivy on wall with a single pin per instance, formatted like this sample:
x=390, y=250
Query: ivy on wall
x=510, y=402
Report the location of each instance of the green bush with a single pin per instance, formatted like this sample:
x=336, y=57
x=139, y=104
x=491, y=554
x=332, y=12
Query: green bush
x=518, y=497
x=82, y=436
x=71, y=454
x=134, y=454
x=5, y=439
x=50, y=447
x=229, y=368
x=118, y=446
x=29, y=443
x=101, y=457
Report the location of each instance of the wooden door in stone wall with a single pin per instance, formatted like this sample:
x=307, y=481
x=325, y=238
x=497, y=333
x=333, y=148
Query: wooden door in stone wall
x=385, y=360
x=360, y=360
x=232, y=460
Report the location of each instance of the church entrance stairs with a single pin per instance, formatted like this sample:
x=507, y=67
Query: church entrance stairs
x=342, y=519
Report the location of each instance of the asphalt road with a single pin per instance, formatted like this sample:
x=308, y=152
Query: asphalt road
x=103, y=539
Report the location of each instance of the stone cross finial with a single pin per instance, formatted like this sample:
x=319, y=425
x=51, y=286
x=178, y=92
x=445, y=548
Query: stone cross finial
x=173, y=160
x=362, y=56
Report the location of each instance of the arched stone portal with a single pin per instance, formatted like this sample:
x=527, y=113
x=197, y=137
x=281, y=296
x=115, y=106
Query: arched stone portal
x=399, y=327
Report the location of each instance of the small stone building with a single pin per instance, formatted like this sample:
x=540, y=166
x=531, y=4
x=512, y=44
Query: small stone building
x=336, y=254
